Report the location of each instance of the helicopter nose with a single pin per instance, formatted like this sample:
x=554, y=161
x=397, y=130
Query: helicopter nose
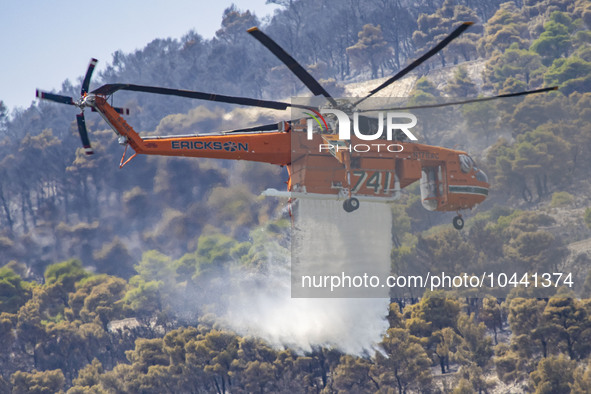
x=481, y=176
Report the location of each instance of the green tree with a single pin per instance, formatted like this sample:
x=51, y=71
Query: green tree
x=353, y=375
x=461, y=85
x=65, y=274
x=475, y=347
x=492, y=315
x=14, y=292
x=509, y=364
x=434, y=318
x=235, y=209
x=213, y=354
x=506, y=27
x=371, y=49
x=98, y=299
x=553, y=375
x=37, y=382
x=530, y=332
x=514, y=64
x=472, y=380
x=156, y=266
x=535, y=250
x=406, y=366
x=88, y=379
x=571, y=74
x=570, y=326
x=554, y=42
x=254, y=369
x=144, y=298
x=148, y=353
x=582, y=380
x=543, y=156
x=448, y=249
x=433, y=28
x=69, y=345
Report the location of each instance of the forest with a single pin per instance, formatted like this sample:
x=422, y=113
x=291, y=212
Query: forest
x=110, y=278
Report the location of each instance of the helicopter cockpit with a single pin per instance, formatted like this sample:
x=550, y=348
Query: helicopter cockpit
x=467, y=164
x=434, y=183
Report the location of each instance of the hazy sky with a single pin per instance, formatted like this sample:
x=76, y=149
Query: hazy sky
x=45, y=42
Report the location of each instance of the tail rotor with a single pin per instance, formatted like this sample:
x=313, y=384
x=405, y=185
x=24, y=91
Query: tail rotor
x=85, y=100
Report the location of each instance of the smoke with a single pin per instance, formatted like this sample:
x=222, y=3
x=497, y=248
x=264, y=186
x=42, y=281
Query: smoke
x=324, y=236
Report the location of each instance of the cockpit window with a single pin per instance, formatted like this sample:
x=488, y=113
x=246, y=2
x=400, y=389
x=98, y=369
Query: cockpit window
x=481, y=176
x=466, y=163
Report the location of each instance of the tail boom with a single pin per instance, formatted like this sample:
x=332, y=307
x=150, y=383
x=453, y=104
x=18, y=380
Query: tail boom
x=267, y=147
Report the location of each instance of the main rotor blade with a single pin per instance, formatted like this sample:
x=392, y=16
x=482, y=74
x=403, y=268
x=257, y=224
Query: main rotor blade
x=84, y=134
x=476, y=100
x=291, y=63
x=420, y=60
x=86, y=82
x=54, y=97
x=122, y=111
x=112, y=88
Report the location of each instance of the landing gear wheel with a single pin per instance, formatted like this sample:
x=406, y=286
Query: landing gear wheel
x=458, y=222
x=351, y=204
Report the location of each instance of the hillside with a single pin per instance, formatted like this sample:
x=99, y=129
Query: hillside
x=173, y=274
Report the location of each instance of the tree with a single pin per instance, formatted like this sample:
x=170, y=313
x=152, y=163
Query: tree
x=537, y=251
x=353, y=375
x=234, y=24
x=406, y=366
x=491, y=315
x=255, y=369
x=213, y=354
x=582, y=380
x=530, y=333
x=570, y=326
x=114, y=259
x=472, y=379
x=65, y=274
x=37, y=382
x=88, y=378
x=235, y=209
x=537, y=155
x=97, y=299
x=136, y=203
x=572, y=74
x=461, y=85
x=144, y=297
x=371, y=48
x=14, y=292
x=434, y=318
x=147, y=353
x=433, y=28
x=553, y=375
x=476, y=347
x=479, y=117
x=554, y=41
x=445, y=251
x=514, y=64
x=509, y=364
x=506, y=27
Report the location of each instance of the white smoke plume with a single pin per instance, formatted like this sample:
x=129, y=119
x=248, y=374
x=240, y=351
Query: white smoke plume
x=325, y=236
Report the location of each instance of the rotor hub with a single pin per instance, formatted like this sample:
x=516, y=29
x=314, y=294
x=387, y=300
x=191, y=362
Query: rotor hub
x=88, y=100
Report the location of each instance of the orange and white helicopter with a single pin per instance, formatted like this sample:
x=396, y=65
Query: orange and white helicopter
x=322, y=164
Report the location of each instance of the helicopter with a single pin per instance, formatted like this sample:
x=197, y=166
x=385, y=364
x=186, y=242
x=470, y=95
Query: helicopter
x=321, y=163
